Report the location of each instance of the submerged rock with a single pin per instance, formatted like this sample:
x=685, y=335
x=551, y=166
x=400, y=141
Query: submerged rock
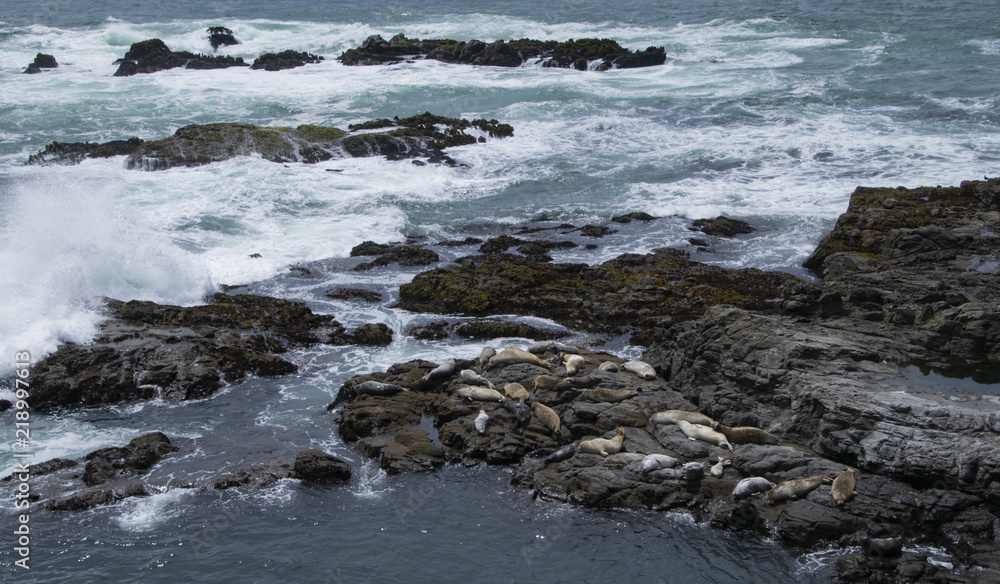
x=582, y=54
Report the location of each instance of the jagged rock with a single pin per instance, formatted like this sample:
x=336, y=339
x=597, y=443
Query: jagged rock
x=100, y=495
x=582, y=54
x=258, y=476
x=135, y=458
x=492, y=329
x=153, y=55
x=635, y=215
x=316, y=466
x=354, y=293
x=76, y=152
x=284, y=60
x=404, y=255
x=42, y=61
x=220, y=36
x=722, y=226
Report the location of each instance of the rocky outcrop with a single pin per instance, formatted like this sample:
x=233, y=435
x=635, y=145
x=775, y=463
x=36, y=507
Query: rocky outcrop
x=722, y=226
x=318, y=467
x=146, y=350
x=284, y=60
x=418, y=136
x=582, y=54
x=42, y=61
x=630, y=292
x=153, y=55
x=220, y=36
x=76, y=152
x=404, y=255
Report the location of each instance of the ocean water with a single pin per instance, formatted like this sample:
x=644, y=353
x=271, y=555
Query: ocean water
x=770, y=111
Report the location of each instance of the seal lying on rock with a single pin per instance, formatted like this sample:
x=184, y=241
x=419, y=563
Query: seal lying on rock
x=744, y=434
x=573, y=363
x=604, y=446
x=481, y=422
x=674, y=416
x=562, y=454
x=576, y=383
x=485, y=355
x=473, y=378
x=603, y=394
x=657, y=461
x=795, y=488
x=640, y=368
x=513, y=355
x=843, y=487
x=477, y=393
x=545, y=382
x=609, y=367
x=703, y=433
x=442, y=371
x=547, y=416
x=751, y=486
x=517, y=392
x=520, y=412
x=545, y=346
x=377, y=388
x=719, y=468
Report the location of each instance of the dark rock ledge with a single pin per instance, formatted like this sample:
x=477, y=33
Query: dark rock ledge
x=575, y=54
x=910, y=277
x=421, y=136
x=146, y=350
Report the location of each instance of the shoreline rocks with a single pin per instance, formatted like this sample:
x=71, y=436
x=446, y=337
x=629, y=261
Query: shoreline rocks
x=42, y=61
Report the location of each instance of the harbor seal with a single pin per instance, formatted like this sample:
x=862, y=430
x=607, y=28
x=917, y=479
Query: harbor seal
x=703, y=433
x=751, y=486
x=481, y=422
x=442, y=371
x=603, y=394
x=693, y=471
x=718, y=469
x=485, y=355
x=512, y=355
x=545, y=382
x=377, y=388
x=573, y=363
x=547, y=416
x=640, y=368
x=657, y=461
x=517, y=392
x=473, y=378
x=576, y=383
x=745, y=434
x=520, y=412
x=604, y=446
x=674, y=416
x=478, y=393
x=795, y=489
x=545, y=346
x=562, y=454
x=609, y=367
x=842, y=488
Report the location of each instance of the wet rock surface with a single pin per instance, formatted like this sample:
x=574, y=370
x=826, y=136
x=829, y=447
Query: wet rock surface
x=582, y=54
x=146, y=350
x=42, y=61
x=76, y=152
x=154, y=55
x=284, y=60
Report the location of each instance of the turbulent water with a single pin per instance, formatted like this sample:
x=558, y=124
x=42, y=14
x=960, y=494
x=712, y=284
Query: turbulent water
x=770, y=111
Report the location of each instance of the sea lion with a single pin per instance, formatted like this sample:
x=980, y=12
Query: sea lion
x=604, y=446
x=562, y=454
x=609, y=367
x=485, y=355
x=512, y=355
x=573, y=363
x=843, y=487
x=795, y=488
x=640, y=368
x=481, y=421
x=577, y=383
x=719, y=468
x=545, y=382
x=657, y=461
x=442, y=371
x=377, y=388
x=478, y=393
x=547, y=416
x=703, y=433
x=751, y=486
x=517, y=392
x=674, y=416
x=520, y=412
x=473, y=378
x=744, y=434
x=603, y=394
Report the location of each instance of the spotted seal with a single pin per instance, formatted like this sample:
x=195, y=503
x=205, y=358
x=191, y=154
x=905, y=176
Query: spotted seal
x=657, y=461
x=604, y=446
x=562, y=454
x=751, y=486
x=640, y=368
x=481, y=421
x=517, y=392
x=843, y=486
x=520, y=412
x=377, y=388
x=718, y=469
x=603, y=394
x=703, y=433
x=512, y=355
x=745, y=434
x=795, y=488
x=547, y=416
x=478, y=393
x=573, y=363
x=473, y=378
x=442, y=371
x=674, y=416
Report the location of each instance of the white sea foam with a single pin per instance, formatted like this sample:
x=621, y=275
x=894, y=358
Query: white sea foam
x=147, y=513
